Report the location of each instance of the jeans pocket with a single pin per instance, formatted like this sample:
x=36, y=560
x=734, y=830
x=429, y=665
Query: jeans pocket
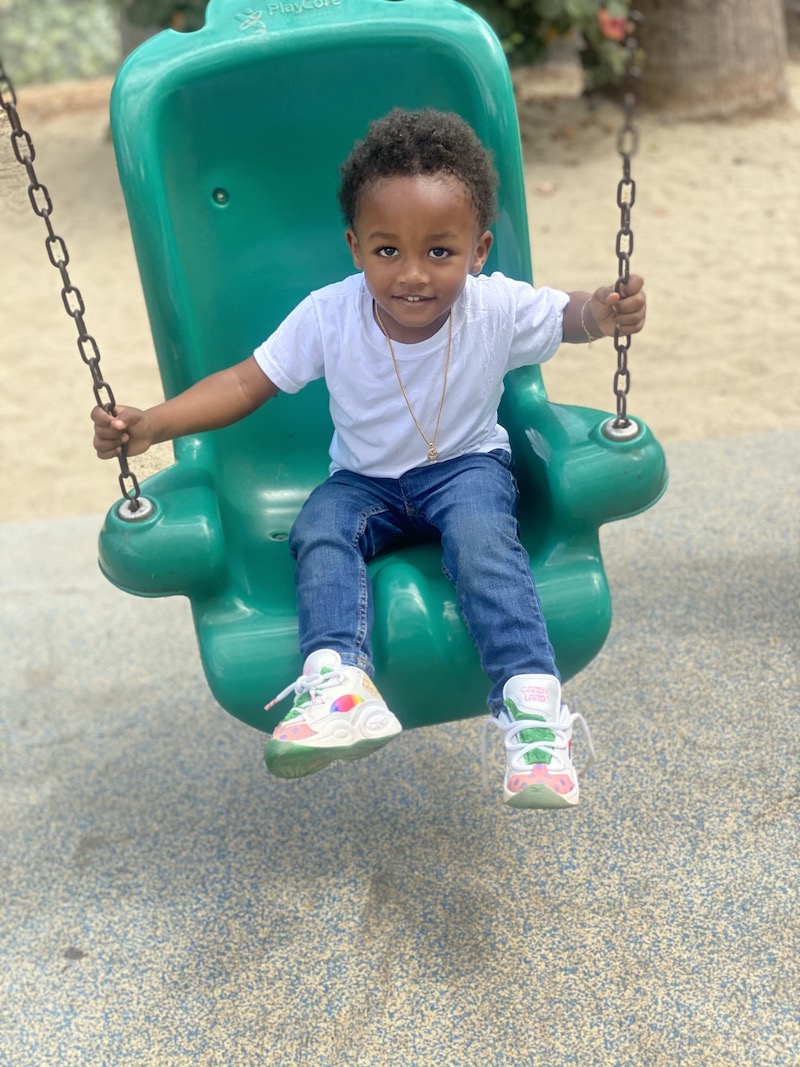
x=503, y=456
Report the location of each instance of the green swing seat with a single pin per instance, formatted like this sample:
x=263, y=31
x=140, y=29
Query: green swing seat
x=228, y=142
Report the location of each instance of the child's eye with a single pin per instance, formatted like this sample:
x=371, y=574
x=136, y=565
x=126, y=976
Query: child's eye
x=439, y=253
x=388, y=252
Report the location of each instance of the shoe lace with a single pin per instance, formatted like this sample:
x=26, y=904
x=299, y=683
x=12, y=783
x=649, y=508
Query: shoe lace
x=307, y=683
x=555, y=747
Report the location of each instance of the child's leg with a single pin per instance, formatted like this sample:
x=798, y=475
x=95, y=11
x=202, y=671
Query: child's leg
x=346, y=520
x=337, y=713
x=474, y=508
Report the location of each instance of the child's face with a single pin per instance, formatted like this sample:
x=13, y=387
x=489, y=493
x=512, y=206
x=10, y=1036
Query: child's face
x=417, y=239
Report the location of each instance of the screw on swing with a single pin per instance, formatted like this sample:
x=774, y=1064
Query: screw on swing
x=135, y=507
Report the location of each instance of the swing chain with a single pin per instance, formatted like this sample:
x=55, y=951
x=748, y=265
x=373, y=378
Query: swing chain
x=627, y=144
x=58, y=255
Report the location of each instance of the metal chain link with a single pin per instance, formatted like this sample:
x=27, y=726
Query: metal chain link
x=627, y=144
x=58, y=255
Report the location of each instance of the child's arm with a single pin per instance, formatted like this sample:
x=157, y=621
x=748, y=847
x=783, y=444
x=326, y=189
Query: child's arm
x=213, y=402
x=589, y=316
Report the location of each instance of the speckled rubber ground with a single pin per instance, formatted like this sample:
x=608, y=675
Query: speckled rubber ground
x=166, y=902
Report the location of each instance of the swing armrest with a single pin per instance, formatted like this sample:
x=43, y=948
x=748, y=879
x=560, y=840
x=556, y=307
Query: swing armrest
x=589, y=478
x=179, y=549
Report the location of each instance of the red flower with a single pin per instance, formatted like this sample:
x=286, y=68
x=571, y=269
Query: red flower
x=614, y=28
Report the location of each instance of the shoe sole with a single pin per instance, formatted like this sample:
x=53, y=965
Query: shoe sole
x=288, y=759
x=539, y=797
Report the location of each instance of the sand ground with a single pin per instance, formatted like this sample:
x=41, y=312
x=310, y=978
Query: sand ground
x=717, y=237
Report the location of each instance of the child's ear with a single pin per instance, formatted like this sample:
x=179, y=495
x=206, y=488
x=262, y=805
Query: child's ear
x=482, y=250
x=352, y=244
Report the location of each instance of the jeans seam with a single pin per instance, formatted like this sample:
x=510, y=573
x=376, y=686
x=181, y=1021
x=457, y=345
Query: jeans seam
x=363, y=584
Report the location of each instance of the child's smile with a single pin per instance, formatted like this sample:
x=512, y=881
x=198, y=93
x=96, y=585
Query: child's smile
x=416, y=239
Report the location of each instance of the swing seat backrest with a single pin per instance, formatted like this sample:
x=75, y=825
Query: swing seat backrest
x=228, y=143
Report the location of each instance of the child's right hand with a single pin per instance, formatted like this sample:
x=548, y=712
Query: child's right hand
x=129, y=426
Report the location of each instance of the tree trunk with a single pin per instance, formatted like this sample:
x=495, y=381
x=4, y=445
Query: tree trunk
x=713, y=58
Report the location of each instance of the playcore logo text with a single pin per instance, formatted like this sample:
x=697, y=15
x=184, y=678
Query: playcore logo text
x=297, y=7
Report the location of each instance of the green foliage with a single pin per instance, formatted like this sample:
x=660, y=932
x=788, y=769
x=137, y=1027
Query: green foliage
x=526, y=28
x=49, y=40
x=53, y=40
x=168, y=14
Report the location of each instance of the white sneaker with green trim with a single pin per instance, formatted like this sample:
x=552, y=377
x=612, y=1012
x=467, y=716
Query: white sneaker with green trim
x=537, y=732
x=337, y=714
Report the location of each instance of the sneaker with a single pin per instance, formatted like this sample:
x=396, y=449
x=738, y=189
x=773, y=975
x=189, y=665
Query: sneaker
x=337, y=714
x=540, y=772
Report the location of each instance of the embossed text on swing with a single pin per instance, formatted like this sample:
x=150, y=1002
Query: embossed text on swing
x=297, y=7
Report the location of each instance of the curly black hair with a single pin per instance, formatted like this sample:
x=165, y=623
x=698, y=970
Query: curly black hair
x=406, y=143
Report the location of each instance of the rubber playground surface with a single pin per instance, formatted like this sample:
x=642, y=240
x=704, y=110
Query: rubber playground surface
x=167, y=902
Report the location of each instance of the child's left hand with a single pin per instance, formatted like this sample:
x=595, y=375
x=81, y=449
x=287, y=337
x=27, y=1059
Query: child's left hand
x=624, y=311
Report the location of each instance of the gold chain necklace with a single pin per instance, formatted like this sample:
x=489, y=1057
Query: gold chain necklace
x=433, y=452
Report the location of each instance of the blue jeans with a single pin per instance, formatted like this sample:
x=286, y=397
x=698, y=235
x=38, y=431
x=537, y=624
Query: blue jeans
x=469, y=504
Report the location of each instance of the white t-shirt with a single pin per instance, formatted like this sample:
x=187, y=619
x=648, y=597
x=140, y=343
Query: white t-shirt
x=498, y=324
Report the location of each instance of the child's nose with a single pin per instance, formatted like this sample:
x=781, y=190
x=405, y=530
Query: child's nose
x=415, y=271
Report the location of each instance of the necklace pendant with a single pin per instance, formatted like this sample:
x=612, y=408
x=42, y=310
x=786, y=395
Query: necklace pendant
x=433, y=454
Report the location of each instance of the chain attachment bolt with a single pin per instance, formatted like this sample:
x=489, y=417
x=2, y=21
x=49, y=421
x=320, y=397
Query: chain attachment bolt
x=144, y=510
